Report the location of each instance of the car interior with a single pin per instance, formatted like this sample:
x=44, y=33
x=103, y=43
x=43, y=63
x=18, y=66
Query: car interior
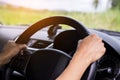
x=50, y=48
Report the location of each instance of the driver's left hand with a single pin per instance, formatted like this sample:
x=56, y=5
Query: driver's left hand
x=10, y=50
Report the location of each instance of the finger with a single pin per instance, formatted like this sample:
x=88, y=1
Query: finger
x=22, y=46
x=11, y=42
x=21, y=52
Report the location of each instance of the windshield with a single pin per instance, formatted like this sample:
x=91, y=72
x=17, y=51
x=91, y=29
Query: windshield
x=96, y=14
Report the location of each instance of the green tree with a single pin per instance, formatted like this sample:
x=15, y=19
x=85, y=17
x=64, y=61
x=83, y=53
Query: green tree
x=95, y=3
x=116, y=3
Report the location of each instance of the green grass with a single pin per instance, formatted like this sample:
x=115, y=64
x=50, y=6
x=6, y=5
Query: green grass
x=105, y=20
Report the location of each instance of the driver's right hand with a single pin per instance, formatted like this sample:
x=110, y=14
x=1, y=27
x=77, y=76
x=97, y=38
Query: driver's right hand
x=91, y=47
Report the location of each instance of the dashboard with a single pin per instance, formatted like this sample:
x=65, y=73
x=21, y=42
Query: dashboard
x=108, y=65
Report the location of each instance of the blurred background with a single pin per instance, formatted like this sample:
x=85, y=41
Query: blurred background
x=102, y=14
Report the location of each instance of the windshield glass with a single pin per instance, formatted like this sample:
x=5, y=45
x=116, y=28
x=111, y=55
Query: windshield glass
x=97, y=14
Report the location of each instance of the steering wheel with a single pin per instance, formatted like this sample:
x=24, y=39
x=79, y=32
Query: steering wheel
x=32, y=64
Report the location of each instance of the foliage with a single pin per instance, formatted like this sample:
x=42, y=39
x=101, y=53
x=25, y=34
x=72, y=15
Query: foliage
x=105, y=20
x=116, y=3
x=95, y=3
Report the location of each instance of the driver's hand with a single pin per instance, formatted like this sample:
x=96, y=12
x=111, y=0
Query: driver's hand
x=89, y=50
x=10, y=50
x=91, y=47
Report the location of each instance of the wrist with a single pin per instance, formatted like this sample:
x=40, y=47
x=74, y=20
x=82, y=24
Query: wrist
x=76, y=67
x=4, y=58
x=83, y=56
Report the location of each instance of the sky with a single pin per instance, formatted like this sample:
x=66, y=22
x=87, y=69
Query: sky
x=68, y=5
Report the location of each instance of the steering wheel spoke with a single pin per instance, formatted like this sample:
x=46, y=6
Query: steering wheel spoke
x=19, y=63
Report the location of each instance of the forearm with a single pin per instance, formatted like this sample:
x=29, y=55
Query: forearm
x=3, y=59
x=75, y=69
x=89, y=50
